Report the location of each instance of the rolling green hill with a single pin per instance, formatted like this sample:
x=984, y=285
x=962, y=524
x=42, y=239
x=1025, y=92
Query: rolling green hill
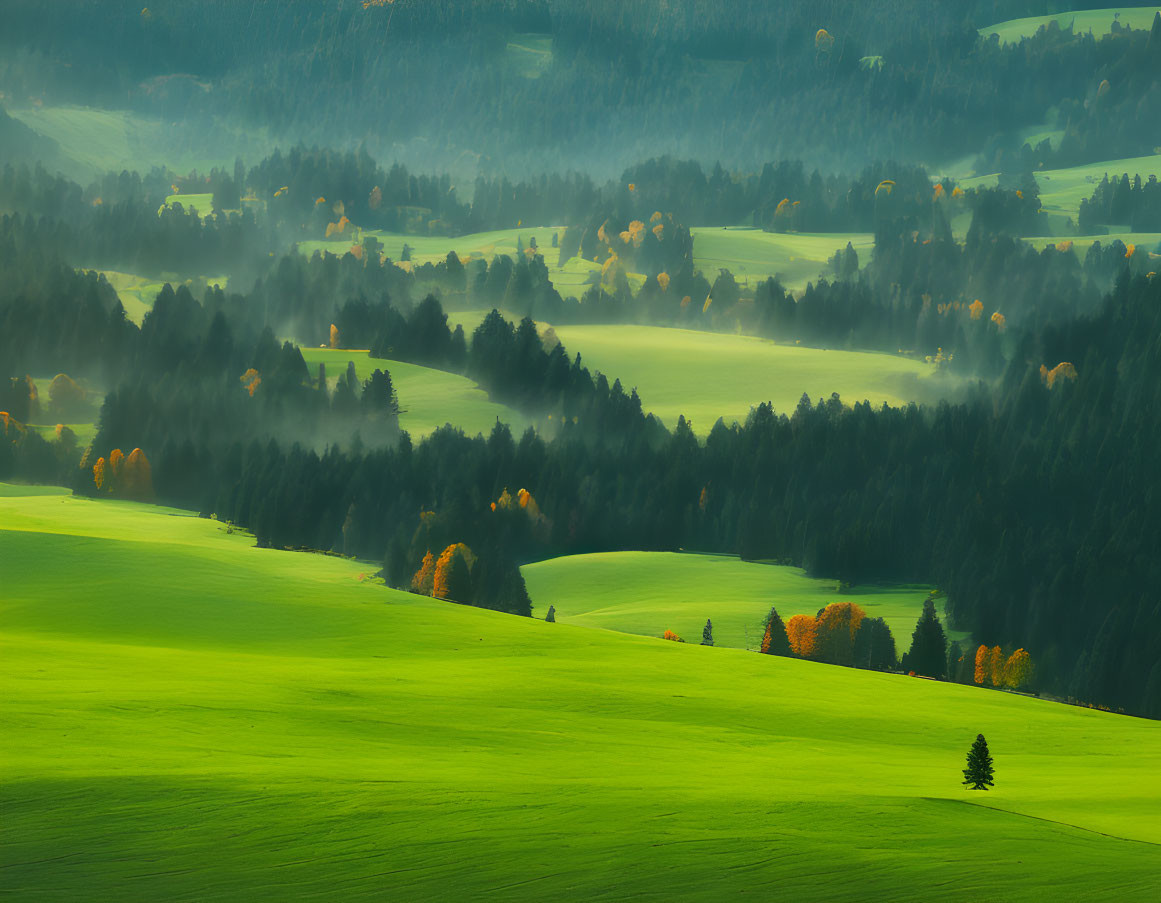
x=709, y=375
x=1098, y=21
x=186, y=717
x=1062, y=190
x=650, y=592
x=429, y=398
x=93, y=141
x=753, y=255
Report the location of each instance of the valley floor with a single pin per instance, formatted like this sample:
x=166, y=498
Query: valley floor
x=186, y=717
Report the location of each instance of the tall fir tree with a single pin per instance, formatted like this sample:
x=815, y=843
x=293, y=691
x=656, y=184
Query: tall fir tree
x=928, y=653
x=979, y=772
x=707, y=633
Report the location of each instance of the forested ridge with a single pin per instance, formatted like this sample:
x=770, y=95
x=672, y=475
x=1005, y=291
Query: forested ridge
x=723, y=80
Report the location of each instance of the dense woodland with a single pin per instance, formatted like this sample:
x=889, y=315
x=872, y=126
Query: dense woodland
x=1030, y=500
x=723, y=80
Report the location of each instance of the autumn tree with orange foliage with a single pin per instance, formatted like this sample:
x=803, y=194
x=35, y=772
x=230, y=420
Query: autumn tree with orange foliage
x=982, y=675
x=672, y=637
x=424, y=580
x=452, y=578
x=802, y=633
x=835, y=629
x=137, y=477
x=252, y=379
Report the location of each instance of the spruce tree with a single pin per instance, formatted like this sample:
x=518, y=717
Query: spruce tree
x=774, y=642
x=551, y=616
x=979, y=771
x=928, y=653
x=707, y=633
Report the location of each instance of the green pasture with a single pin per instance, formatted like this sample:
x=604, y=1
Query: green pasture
x=1062, y=190
x=1098, y=21
x=95, y=141
x=186, y=717
x=754, y=256
x=137, y=292
x=570, y=280
x=704, y=375
x=648, y=593
x=750, y=254
x=429, y=398
x=1147, y=242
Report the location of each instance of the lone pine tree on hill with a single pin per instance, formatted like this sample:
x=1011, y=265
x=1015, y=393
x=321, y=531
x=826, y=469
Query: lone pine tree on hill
x=979, y=771
x=707, y=633
x=551, y=616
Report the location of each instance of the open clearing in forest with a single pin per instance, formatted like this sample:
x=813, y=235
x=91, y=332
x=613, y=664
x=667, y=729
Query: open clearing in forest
x=570, y=280
x=93, y=141
x=1062, y=190
x=750, y=254
x=1098, y=21
x=706, y=375
x=754, y=256
x=138, y=293
x=188, y=717
x=429, y=398
x=648, y=593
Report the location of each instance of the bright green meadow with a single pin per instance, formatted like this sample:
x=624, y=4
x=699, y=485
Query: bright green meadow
x=704, y=375
x=1098, y=21
x=1062, y=190
x=188, y=718
x=429, y=398
x=648, y=593
x=754, y=256
x=93, y=142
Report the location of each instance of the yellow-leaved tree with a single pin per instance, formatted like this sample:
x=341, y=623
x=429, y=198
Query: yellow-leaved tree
x=137, y=477
x=451, y=579
x=802, y=632
x=424, y=580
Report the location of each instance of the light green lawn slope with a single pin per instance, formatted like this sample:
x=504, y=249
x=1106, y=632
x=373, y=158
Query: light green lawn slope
x=1062, y=190
x=705, y=375
x=650, y=592
x=1098, y=21
x=187, y=718
x=429, y=398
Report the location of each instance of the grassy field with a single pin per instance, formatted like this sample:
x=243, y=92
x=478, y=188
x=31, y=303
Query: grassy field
x=430, y=398
x=1098, y=21
x=707, y=375
x=750, y=254
x=1149, y=242
x=95, y=141
x=186, y=717
x=753, y=255
x=648, y=593
x=570, y=280
x=1062, y=190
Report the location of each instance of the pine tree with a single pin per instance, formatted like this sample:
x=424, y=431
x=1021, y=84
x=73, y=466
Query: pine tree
x=979, y=772
x=707, y=633
x=551, y=616
x=774, y=641
x=928, y=653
